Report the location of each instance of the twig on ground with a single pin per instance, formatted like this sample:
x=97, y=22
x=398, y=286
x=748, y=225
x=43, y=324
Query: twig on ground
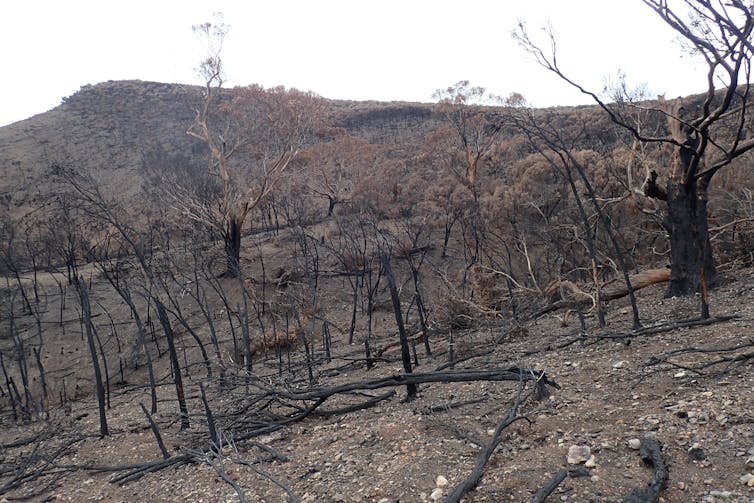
x=455, y=429
x=156, y=432
x=541, y=495
x=135, y=472
x=476, y=474
x=663, y=361
x=546, y=490
x=665, y=327
x=446, y=407
x=214, y=458
x=291, y=495
x=351, y=408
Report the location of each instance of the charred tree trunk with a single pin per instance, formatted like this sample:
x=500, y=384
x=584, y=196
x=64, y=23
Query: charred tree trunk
x=86, y=317
x=178, y=380
x=690, y=248
x=411, y=388
x=233, y=246
x=331, y=202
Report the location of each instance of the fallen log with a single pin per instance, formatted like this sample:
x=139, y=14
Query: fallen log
x=611, y=291
x=447, y=376
x=638, y=281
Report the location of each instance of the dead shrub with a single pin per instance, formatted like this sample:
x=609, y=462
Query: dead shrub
x=455, y=314
x=490, y=289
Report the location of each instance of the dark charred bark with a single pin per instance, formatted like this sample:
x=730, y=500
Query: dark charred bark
x=651, y=454
x=652, y=189
x=86, y=317
x=233, y=246
x=331, y=202
x=690, y=248
x=411, y=388
x=178, y=380
x=156, y=433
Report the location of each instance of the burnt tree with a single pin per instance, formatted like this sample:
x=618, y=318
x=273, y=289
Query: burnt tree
x=251, y=134
x=705, y=137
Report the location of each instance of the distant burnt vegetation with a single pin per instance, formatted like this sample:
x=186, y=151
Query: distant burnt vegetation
x=393, y=160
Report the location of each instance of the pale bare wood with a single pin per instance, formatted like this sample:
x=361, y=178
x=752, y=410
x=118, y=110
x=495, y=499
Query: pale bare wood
x=610, y=291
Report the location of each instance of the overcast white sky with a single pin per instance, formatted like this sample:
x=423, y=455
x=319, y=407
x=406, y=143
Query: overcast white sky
x=351, y=49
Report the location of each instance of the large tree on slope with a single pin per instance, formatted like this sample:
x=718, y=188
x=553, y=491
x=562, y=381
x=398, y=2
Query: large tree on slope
x=704, y=138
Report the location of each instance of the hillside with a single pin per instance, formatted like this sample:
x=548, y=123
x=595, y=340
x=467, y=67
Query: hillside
x=109, y=128
x=417, y=290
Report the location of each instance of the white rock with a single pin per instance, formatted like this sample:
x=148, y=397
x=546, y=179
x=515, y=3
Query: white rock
x=578, y=454
x=747, y=479
x=634, y=444
x=680, y=374
x=436, y=494
x=620, y=364
x=591, y=462
x=441, y=481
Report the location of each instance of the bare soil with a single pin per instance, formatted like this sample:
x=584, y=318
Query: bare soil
x=612, y=389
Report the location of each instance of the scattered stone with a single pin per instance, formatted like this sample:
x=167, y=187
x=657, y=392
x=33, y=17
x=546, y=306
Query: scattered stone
x=634, y=444
x=578, y=454
x=721, y=494
x=747, y=479
x=680, y=374
x=591, y=462
x=698, y=417
x=436, y=494
x=696, y=452
x=620, y=364
x=441, y=481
